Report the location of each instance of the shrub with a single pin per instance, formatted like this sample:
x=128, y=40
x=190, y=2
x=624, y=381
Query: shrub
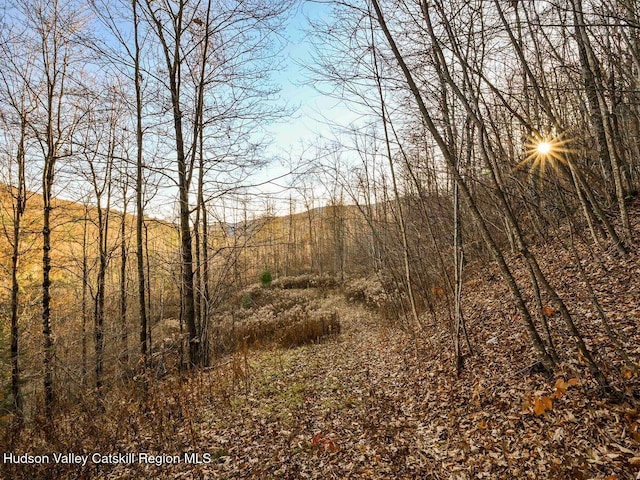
x=311, y=329
x=286, y=328
x=369, y=291
x=247, y=300
x=305, y=281
x=265, y=278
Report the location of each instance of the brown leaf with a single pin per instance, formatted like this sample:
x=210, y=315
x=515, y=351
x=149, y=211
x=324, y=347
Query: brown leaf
x=561, y=388
x=541, y=405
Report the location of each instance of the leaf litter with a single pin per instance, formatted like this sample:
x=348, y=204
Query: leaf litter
x=373, y=404
x=377, y=402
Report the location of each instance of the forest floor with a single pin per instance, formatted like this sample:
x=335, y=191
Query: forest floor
x=379, y=402
x=375, y=402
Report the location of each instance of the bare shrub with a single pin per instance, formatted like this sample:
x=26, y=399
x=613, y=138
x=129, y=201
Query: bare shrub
x=287, y=327
x=377, y=295
x=310, y=328
x=305, y=281
x=367, y=290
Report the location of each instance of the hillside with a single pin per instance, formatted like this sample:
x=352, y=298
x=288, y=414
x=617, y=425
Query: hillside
x=377, y=402
x=286, y=245
x=454, y=294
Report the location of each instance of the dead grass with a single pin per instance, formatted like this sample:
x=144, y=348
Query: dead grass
x=305, y=281
x=289, y=319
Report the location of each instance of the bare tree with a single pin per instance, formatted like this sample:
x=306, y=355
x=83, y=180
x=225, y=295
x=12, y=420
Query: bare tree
x=16, y=109
x=184, y=33
x=52, y=27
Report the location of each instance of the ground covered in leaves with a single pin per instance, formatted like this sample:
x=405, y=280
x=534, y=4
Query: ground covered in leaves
x=378, y=401
x=371, y=404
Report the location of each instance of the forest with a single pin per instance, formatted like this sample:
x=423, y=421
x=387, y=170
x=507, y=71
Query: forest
x=441, y=282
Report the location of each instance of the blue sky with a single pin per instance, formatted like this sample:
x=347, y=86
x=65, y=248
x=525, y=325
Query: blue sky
x=307, y=123
x=292, y=79
x=314, y=111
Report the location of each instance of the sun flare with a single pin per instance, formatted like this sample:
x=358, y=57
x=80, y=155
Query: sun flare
x=544, y=151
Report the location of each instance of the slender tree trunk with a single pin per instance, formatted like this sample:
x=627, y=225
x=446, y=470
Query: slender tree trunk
x=197, y=274
x=85, y=288
x=398, y=200
x=604, y=221
x=186, y=243
x=458, y=269
x=147, y=292
x=599, y=111
x=19, y=205
x=144, y=341
x=47, y=187
x=205, y=291
x=174, y=62
x=103, y=212
x=98, y=305
x=619, y=347
x=124, y=330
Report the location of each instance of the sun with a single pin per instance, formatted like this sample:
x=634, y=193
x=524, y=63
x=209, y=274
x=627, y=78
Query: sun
x=544, y=148
x=544, y=151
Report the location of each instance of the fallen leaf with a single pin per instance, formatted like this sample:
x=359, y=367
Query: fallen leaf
x=541, y=405
x=561, y=388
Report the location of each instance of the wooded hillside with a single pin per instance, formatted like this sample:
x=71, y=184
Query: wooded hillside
x=475, y=206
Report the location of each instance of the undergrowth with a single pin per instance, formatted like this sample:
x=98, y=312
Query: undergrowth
x=275, y=317
x=157, y=417
x=162, y=413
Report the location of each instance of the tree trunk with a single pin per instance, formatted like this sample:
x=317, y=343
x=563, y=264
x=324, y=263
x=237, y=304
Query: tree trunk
x=144, y=341
x=599, y=111
x=124, y=330
x=19, y=204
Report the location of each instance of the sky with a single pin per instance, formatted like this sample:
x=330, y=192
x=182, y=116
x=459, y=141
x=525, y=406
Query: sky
x=315, y=110
x=304, y=125
x=307, y=126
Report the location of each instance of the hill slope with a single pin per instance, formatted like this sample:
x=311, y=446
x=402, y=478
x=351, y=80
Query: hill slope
x=378, y=402
x=370, y=405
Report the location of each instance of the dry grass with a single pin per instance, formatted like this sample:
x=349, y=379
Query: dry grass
x=286, y=314
x=143, y=416
x=149, y=414
x=275, y=318
x=376, y=294
x=305, y=281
